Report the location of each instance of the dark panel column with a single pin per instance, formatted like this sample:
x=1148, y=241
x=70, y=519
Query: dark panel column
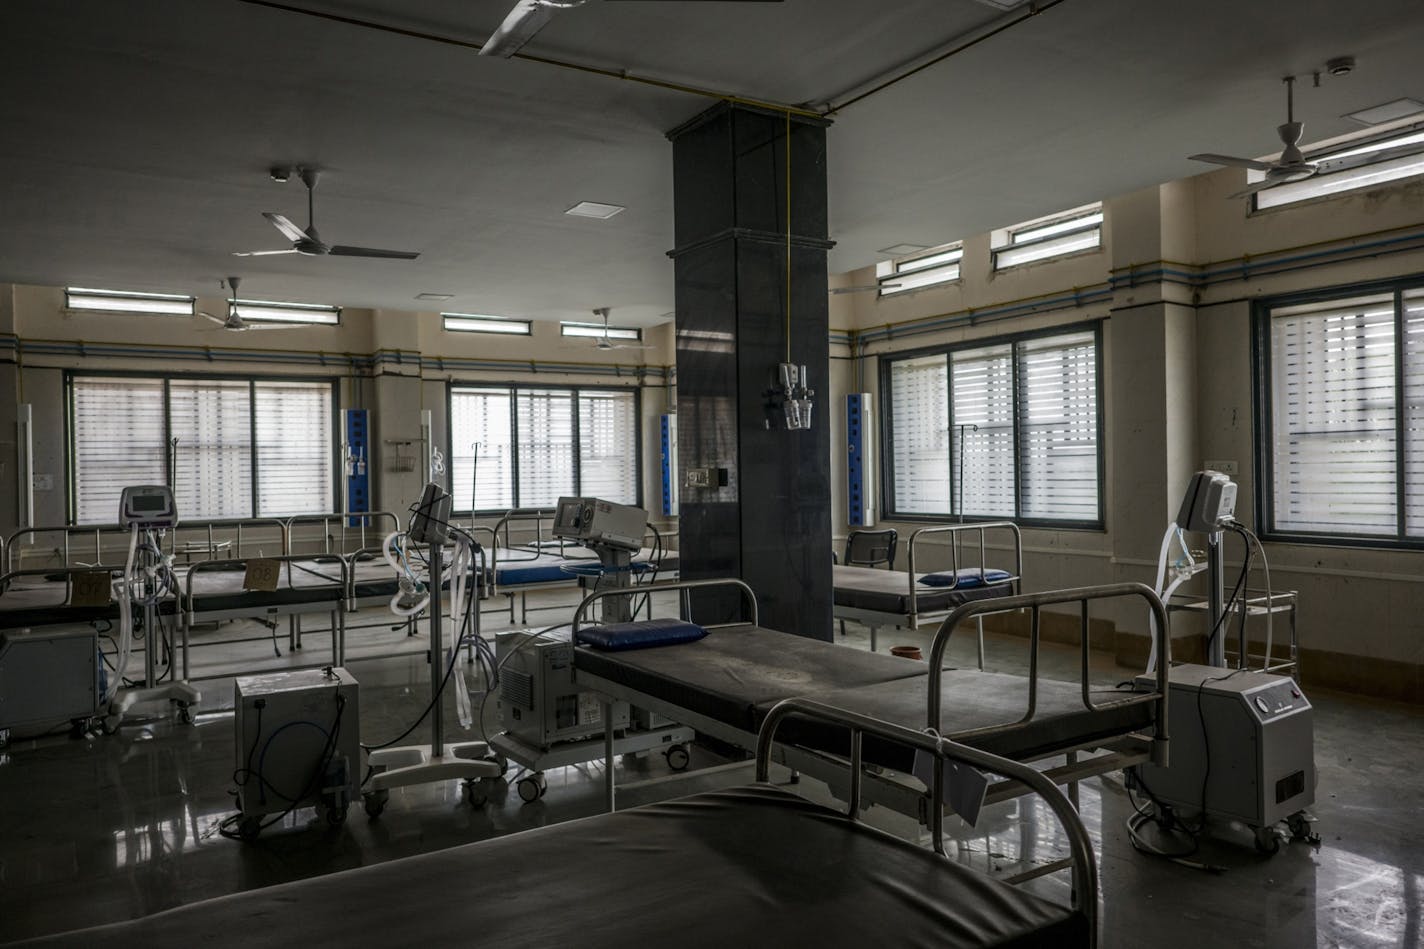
x=770, y=524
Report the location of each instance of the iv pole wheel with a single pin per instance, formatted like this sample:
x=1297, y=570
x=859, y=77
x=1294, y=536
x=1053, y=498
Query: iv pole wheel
x=474, y=792
x=249, y=828
x=375, y=802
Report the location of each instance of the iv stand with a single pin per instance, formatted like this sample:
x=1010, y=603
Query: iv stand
x=416, y=764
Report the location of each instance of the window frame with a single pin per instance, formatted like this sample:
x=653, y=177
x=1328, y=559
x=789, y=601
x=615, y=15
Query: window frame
x=1262, y=406
x=165, y=378
x=513, y=389
x=583, y=330
x=888, y=511
x=237, y=305
x=1010, y=234
x=484, y=323
x=914, y=267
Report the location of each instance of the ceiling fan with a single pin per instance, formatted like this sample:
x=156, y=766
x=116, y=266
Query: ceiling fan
x=604, y=342
x=308, y=241
x=1292, y=164
x=528, y=17
x=234, y=322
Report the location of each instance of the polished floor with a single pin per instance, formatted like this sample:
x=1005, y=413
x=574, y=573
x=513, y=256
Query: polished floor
x=104, y=828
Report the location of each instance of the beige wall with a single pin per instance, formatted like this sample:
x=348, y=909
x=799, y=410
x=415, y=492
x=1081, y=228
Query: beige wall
x=1178, y=384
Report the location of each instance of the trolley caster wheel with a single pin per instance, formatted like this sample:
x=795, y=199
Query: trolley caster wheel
x=1267, y=840
x=1299, y=826
x=678, y=757
x=532, y=788
x=375, y=803
x=185, y=713
x=249, y=828
x=473, y=792
x=501, y=761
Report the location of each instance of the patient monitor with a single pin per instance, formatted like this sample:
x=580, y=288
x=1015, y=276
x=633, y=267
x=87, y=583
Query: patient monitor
x=600, y=523
x=148, y=506
x=1209, y=503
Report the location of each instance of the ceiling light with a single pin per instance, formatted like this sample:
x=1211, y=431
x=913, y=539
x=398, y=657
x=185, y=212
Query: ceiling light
x=434, y=296
x=900, y=250
x=1386, y=112
x=1002, y=4
x=595, y=210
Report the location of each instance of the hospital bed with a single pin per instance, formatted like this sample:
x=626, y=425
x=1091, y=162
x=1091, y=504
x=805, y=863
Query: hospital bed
x=725, y=683
x=916, y=598
x=754, y=865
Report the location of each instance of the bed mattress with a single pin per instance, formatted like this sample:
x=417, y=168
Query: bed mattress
x=731, y=671
x=887, y=591
x=37, y=601
x=219, y=589
x=972, y=700
x=742, y=867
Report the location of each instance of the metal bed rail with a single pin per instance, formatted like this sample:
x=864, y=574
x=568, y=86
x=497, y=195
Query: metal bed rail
x=685, y=602
x=1084, y=864
x=341, y=584
x=229, y=537
x=958, y=533
x=373, y=524
x=68, y=573
x=1035, y=603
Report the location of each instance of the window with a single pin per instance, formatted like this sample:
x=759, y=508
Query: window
x=601, y=331
x=922, y=270
x=124, y=301
x=269, y=311
x=516, y=446
x=228, y=447
x=1059, y=235
x=479, y=323
x=1007, y=428
x=1341, y=383
x=1365, y=166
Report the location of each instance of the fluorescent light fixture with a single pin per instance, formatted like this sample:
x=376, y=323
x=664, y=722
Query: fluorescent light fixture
x=274, y=311
x=1386, y=112
x=599, y=331
x=435, y=296
x=483, y=323
x=593, y=209
x=127, y=301
x=902, y=250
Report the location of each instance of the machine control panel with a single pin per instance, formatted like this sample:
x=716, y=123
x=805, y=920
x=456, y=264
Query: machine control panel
x=148, y=506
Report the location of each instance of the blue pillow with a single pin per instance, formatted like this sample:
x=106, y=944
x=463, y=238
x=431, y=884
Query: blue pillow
x=967, y=578
x=643, y=634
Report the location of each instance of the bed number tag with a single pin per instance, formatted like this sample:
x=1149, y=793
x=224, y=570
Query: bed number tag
x=964, y=787
x=91, y=588
x=262, y=575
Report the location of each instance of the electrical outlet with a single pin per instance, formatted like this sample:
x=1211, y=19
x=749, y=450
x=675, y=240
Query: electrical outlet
x=1225, y=467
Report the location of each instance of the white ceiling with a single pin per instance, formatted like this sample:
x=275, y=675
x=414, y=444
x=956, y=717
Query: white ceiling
x=137, y=135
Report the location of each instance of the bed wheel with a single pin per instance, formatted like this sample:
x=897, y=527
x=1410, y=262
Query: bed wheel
x=678, y=758
x=375, y=802
x=249, y=827
x=532, y=788
x=1267, y=840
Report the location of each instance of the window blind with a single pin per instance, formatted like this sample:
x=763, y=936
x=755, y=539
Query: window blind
x=1333, y=416
x=212, y=471
x=1058, y=427
x=294, y=450
x=544, y=419
x=984, y=397
x=608, y=466
x=482, y=417
x=118, y=439
x=919, y=420
x=1413, y=316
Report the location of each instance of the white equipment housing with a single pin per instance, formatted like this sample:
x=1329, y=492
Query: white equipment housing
x=47, y=676
x=1255, y=729
x=595, y=521
x=148, y=507
x=541, y=703
x=282, y=723
x=1209, y=503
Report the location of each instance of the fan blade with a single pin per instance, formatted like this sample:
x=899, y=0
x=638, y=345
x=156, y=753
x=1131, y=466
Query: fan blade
x=262, y=253
x=525, y=19
x=1369, y=158
x=342, y=250
x=1232, y=161
x=272, y=326
x=289, y=230
x=1252, y=189
x=216, y=319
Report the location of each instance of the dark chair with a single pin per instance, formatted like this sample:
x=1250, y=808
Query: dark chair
x=870, y=549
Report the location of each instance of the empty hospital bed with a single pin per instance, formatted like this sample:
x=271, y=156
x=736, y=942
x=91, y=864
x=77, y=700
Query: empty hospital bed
x=725, y=684
x=754, y=865
x=918, y=598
